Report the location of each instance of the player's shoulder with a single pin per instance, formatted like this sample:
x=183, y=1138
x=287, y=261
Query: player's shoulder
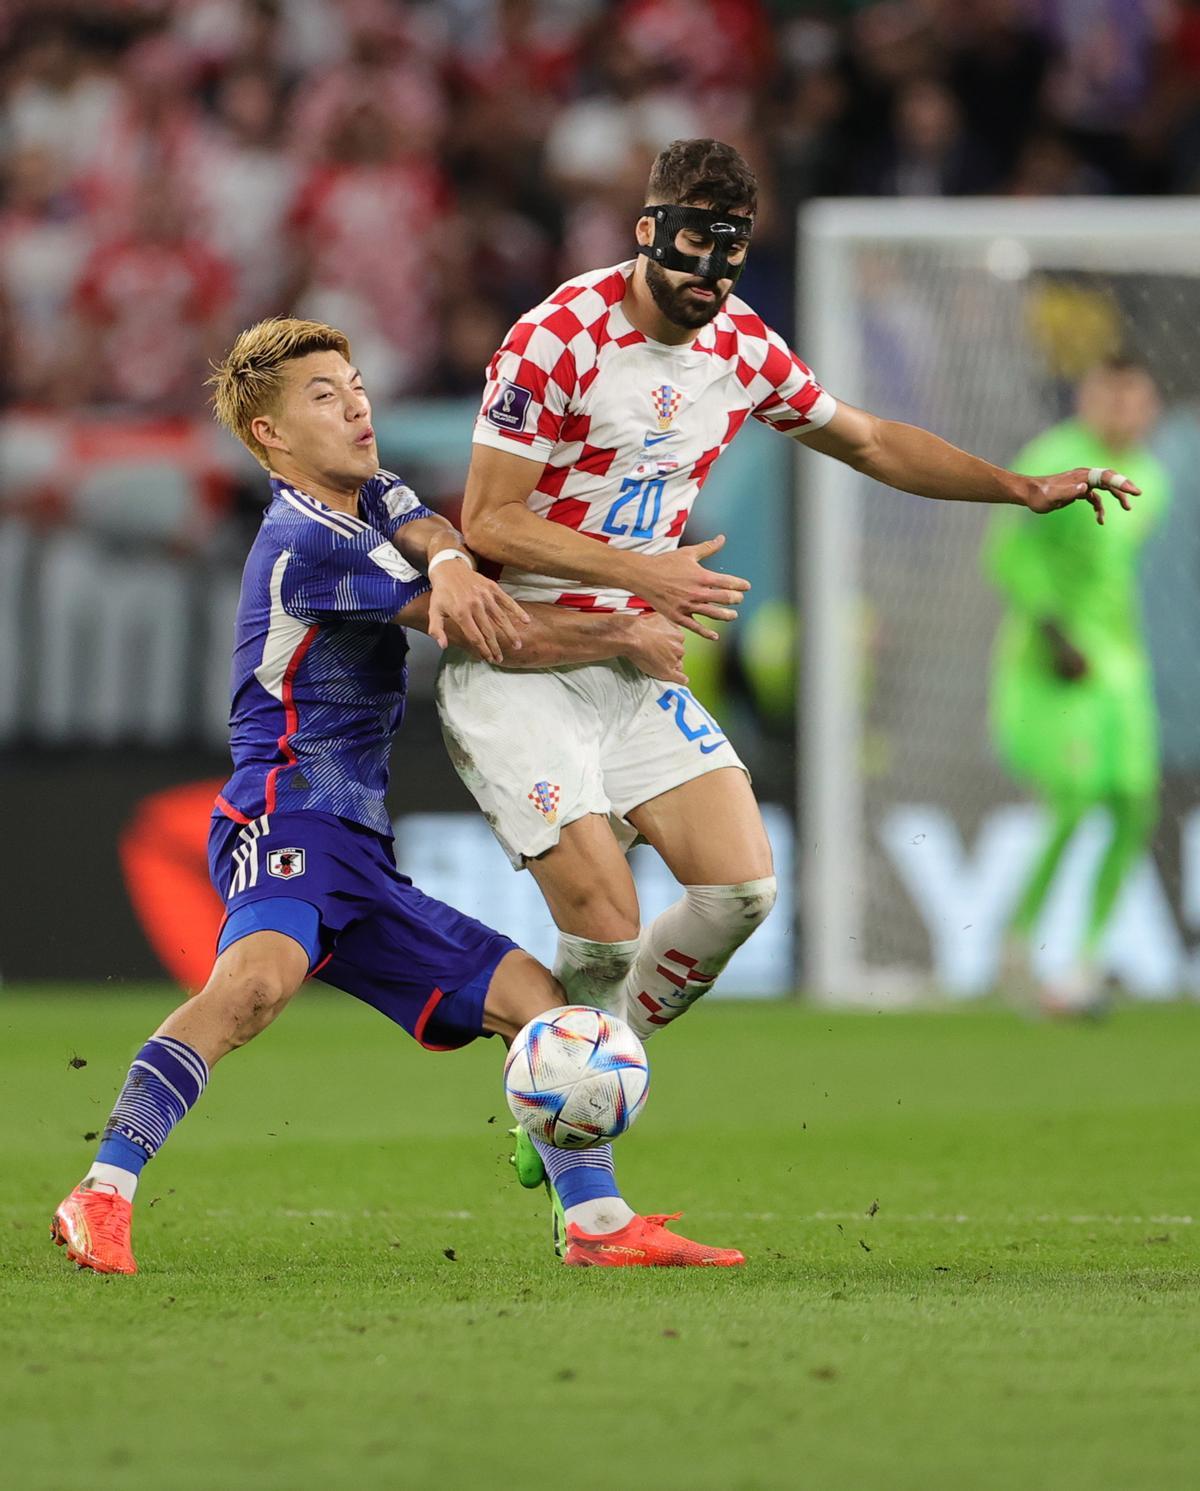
x=390, y=493
x=741, y=337
x=305, y=526
x=745, y=323
x=575, y=314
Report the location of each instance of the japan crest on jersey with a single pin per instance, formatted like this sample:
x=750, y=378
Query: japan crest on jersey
x=285, y=864
x=666, y=404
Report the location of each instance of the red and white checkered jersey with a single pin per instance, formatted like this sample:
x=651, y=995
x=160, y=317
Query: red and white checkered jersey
x=627, y=429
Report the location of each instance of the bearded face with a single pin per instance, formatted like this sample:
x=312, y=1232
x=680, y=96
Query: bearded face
x=685, y=299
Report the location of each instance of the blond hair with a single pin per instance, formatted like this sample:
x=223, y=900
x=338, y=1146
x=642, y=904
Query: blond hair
x=249, y=381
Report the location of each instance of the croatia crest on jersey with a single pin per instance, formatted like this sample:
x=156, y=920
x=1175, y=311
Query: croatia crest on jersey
x=545, y=797
x=666, y=404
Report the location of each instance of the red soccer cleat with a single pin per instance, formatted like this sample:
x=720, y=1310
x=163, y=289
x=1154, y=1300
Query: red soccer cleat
x=94, y=1227
x=646, y=1242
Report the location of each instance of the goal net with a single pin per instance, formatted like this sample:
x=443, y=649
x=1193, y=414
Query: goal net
x=975, y=319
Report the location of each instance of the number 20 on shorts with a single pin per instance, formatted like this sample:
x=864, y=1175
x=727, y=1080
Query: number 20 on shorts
x=685, y=704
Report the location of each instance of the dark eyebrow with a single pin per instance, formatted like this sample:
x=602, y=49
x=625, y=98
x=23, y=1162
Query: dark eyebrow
x=355, y=376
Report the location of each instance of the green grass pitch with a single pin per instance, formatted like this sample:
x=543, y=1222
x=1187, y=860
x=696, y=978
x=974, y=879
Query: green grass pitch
x=973, y=1264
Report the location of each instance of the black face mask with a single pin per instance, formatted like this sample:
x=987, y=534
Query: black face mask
x=724, y=232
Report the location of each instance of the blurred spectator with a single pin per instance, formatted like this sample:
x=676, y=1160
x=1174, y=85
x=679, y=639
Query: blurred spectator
x=366, y=229
x=289, y=37
x=811, y=146
x=1105, y=53
x=516, y=56
x=598, y=150
x=930, y=152
x=384, y=162
x=997, y=54
x=473, y=329
x=155, y=130
x=1050, y=166
x=393, y=67
x=507, y=255
x=43, y=243
x=59, y=100
x=716, y=53
x=152, y=308
x=246, y=188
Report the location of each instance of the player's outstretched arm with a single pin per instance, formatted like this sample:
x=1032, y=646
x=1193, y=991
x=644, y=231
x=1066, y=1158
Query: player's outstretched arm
x=555, y=636
x=500, y=526
x=914, y=460
x=486, y=617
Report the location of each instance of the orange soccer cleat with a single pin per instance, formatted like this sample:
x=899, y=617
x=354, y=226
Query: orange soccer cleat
x=646, y=1242
x=94, y=1226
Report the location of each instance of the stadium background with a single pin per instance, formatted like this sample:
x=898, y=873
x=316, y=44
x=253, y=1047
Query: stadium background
x=419, y=174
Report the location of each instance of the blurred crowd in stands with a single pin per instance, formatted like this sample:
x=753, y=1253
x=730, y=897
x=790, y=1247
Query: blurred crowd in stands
x=419, y=173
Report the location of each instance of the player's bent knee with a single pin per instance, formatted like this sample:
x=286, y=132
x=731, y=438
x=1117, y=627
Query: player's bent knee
x=252, y=982
x=521, y=988
x=737, y=909
x=756, y=899
x=252, y=1001
x=602, y=918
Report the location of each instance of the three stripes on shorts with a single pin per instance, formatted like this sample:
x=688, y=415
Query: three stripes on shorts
x=245, y=857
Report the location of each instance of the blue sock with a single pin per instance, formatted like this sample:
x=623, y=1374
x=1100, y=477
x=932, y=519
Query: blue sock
x=164, y=1082
x=579, y=1174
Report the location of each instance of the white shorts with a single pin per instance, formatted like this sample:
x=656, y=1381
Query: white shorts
x=539, y=749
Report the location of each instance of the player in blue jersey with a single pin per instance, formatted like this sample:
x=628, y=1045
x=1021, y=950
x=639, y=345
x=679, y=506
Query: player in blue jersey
x=300, y=847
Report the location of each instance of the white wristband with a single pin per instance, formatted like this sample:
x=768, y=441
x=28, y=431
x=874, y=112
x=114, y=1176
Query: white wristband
x=448, y=554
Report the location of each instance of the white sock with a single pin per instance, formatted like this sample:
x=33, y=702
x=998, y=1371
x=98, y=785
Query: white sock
x=111, y=1178
x=604, y=1214
x=594, y=972
x=684, y=949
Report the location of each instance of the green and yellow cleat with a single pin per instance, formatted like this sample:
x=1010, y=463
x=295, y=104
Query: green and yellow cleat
x=531, y=1173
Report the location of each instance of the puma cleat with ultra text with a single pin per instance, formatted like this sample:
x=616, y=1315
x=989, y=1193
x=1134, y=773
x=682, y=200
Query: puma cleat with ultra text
x=646, y=1242
x=93, y=1226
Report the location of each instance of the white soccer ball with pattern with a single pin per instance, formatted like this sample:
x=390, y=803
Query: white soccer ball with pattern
x=575, y=1077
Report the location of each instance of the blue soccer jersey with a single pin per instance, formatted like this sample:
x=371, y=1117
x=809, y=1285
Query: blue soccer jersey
x=319, y=671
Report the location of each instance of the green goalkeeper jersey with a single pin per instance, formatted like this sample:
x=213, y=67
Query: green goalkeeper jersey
x=1096, y=735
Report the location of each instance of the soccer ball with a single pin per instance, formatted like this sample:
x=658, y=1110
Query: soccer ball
x=575, y=1077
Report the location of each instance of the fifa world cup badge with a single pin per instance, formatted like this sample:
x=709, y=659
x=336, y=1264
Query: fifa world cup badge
x=509, y=406
x=285, y=864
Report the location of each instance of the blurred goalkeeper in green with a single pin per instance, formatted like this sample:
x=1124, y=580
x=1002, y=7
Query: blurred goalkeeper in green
x=1072, y=694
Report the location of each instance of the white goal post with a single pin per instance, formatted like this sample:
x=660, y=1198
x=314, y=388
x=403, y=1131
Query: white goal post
x=973, y=318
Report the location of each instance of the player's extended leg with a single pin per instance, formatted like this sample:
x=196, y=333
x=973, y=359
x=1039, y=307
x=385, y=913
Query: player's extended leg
x=251, y=982
x=594, y=1226
x=1066, y=814
x=1133, y=818
x=589, y=890
x=710, y=833
x=584, y=1181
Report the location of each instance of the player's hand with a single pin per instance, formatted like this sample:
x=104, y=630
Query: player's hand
x=679, y=587
x=1066, y=660
x=1049, y=493
x=655, y=647
x=482, y=615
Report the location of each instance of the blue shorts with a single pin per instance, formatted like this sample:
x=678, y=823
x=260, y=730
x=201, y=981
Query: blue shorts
x=375, y=935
